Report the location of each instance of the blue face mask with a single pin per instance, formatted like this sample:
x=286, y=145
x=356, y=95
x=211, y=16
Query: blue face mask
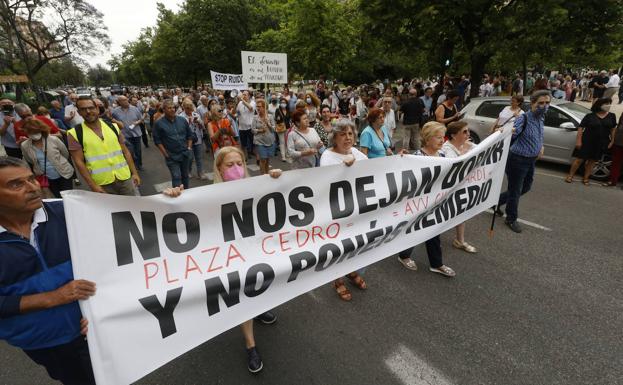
x=542, y=109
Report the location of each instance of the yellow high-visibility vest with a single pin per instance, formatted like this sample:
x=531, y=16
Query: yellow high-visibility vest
x=104, y=158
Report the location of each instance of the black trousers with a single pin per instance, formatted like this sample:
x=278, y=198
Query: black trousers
x=60, y=184
x=69, y=363
x=433, y=249
x=14, y=152
x=144, y=134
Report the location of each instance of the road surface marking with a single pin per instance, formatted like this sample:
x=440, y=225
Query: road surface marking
x=412, y=370
x=525, y=222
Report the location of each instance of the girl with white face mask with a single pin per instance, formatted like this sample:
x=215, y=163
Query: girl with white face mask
x=595, y=137
x=230, y=165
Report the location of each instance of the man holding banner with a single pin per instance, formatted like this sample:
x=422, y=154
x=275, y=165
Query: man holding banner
x=39, y=311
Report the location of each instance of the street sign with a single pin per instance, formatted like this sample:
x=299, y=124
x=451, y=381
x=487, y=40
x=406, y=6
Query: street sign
x=264, y=67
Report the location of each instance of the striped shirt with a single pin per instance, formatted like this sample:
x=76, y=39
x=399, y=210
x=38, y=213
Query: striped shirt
x=530, y=142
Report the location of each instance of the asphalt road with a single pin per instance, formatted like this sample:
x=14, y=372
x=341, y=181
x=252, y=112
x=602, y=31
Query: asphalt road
x=541, y=307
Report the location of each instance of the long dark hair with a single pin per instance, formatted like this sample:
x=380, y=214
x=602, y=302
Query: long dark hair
x=596, y=107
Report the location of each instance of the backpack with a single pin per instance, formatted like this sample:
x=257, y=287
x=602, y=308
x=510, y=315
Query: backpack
x=80, y=133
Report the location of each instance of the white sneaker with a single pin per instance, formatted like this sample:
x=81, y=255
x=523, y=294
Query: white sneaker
x=204, y=177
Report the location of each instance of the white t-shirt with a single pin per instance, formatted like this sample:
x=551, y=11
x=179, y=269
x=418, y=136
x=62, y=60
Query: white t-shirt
x=613, y=81
x=504, y=117
x=330, y=157
x=245, y=117
x=390, y=121
x=452, y=152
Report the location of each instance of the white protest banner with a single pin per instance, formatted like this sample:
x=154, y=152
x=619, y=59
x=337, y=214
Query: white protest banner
x=227, y=81
x=171, y=273
x=264, y=67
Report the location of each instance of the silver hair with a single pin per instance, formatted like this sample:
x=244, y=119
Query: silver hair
x=537, y=94
x=9, y=161
x=21, y=107
x=341, y=126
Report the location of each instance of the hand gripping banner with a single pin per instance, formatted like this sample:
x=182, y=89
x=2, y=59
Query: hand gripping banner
x=172, y=273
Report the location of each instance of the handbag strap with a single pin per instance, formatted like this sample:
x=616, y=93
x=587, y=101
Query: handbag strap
x=45, y=156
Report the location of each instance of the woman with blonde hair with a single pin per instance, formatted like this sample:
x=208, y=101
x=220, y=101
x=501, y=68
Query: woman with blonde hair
x=432, y=140
x=458, y=144
x=312, y=103
x=229, y=165
x=263, y=135
x=219, y=129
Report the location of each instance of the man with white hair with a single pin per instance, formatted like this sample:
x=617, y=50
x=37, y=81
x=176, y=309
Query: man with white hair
x=612, y=87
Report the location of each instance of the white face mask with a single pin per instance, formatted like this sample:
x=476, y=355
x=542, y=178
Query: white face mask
x=35, y=137
x=605, y=107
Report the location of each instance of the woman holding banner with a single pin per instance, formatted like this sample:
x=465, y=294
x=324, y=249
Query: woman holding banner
x=458, y=145
x=432, y=140
x=229, y=165
x=341, y=151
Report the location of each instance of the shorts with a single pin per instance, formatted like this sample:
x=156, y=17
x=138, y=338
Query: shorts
x=265, y=152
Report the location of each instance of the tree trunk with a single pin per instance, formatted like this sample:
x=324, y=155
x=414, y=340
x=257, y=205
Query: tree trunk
x=478, y=63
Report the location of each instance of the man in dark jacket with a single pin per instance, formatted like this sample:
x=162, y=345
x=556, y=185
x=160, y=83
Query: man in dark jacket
x=39, y=312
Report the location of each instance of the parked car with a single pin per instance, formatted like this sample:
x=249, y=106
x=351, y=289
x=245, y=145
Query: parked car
x=85, y=92
x=561, y=126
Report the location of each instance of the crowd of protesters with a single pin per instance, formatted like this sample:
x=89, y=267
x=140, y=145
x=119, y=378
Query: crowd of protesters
x=102, y=139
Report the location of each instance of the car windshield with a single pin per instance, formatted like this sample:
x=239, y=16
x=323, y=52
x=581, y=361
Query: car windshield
x=575, y=109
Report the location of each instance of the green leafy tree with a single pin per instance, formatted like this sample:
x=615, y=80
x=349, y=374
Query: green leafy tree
x=37, y=32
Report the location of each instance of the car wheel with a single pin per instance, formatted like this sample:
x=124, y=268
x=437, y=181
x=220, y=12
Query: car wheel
x=601, y=170
x=475, y=138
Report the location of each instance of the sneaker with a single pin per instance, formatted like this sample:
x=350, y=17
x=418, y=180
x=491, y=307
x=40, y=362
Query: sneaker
x=266, y=318
x=255, y=361
x=443, y=270
x=514, y=226
x=204, y=177
x=408, y=263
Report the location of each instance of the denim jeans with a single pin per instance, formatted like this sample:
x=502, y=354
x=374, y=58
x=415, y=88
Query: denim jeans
x=198, y=157
x=179, y=170
x=519, y=175
x=433, y=249
x=134, y=145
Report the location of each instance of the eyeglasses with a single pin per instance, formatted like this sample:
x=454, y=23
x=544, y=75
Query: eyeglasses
x=91, y=108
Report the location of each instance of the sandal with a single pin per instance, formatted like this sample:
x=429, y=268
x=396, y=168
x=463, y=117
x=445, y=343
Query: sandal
x=443, y=270
x=464, y=246
x=585, y=182
x=569, y=178
x=357, y=281
x=342, y=290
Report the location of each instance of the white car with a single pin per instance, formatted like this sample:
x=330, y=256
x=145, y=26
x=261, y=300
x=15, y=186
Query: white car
x=560, y=132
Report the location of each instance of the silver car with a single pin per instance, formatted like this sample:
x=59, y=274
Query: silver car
x=561, y=125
